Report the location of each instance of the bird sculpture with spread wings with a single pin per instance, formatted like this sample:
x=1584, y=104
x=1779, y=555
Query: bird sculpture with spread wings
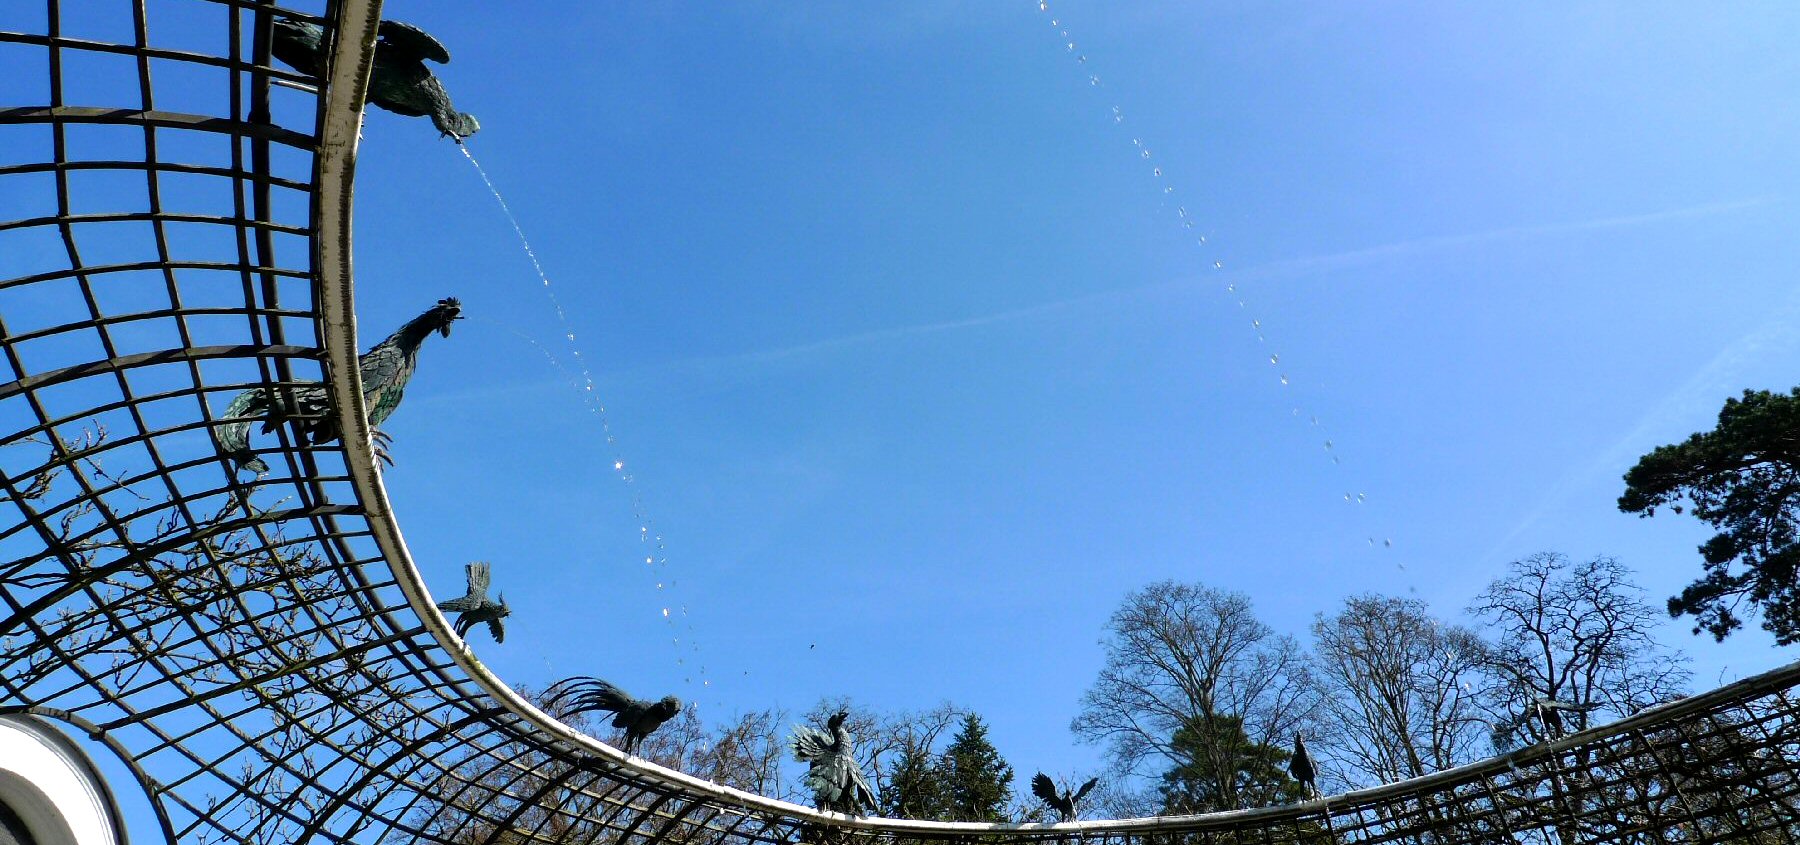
x=400, y=80
x=385, y=369
x=1066, y=804
x=475, y=606
x=637, y=718
x=832, y=771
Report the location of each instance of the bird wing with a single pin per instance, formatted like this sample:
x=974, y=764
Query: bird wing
x=462, y=605
x=478, y=576
x=497, y=629
x=810, y=743
x=865, y=797
x=1043, y=788
x=1086, y=788
x=413, y=41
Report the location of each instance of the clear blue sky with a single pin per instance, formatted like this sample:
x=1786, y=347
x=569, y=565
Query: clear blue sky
x=918, y=371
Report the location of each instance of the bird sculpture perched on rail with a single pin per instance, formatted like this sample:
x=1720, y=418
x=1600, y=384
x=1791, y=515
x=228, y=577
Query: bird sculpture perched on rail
x=475, y=606
x=832, y=771
x=637, y=718
x=1302, y=768
x=385, y=370
x=1066, y=804
x=400, y=81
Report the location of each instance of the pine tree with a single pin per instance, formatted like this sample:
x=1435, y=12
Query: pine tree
x=915, y=789
x=1224, y=769
x=977, y=780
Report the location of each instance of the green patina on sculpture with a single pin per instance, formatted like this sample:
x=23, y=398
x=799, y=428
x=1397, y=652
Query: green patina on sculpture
x=832, y=772
x=636, y=717
x=399, y=82
x=385, y=370
x=475, y=606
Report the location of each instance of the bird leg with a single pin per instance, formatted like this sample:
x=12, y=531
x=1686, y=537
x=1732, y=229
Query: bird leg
x=379, y=441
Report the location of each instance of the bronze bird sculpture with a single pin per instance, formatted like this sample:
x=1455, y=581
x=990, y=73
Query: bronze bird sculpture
x=385, y=369
x=400, y=81
x=1066, y=804
x=637, y=718
x=475, y=606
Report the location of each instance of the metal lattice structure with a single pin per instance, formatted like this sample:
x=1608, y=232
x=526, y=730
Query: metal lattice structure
x=259, y=653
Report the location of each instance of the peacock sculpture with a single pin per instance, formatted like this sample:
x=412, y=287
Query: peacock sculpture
x=832, y=772
x=400, y=81
x=636, y=717
x=385, y=370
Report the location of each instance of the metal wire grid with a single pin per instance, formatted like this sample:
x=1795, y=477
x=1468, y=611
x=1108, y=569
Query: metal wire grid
x=247, y=651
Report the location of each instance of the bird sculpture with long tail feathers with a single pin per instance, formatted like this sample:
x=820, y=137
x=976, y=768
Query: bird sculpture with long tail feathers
x=637, y=718
x=385, y=370
x=475, y=606
x=832, y=772
x=400, y=81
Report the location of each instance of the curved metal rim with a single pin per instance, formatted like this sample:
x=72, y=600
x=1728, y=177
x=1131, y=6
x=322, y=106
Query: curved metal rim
x=343, y=96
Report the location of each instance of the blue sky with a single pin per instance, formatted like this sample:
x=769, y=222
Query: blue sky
x=917, y=369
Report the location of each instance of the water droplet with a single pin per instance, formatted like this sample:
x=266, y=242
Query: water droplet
x=1334, y=459
x=1371, y=541
x=1156, y=170
x=1256, y=324
x=1218, y=265
x=1315, y=420
x=618, y=464
x=1284, y=378
x=1081, y=59
x=1095, y=80
x=1231, y=288
x=1168, y=190
x=1361, y=497
x=1136, y=143
x=1274, y=359
x=1181, y=211
x=1327, y=444
x=1043, y=6
x=1389, y=542
x=1146, y=153
x=1071, y=46
x=1346, y=497
x=1187, y=224
x=665, y=613
x=1202, y=240
x=650, y=560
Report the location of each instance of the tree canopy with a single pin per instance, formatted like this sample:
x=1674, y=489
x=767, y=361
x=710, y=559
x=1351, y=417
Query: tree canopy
x=1743, y=479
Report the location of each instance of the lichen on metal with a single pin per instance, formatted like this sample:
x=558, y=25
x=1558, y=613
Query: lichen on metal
x=259, y=653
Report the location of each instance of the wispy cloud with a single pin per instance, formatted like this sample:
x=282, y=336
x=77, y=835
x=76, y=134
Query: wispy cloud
x=1701, y=392
x=1317, y=263
x=1286, y=268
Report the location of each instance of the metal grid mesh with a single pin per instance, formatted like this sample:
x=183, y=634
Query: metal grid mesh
x=246, y=648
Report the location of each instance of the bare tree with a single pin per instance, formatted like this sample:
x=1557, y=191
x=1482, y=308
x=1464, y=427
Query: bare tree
x=1571, y=645
x=1400, y=690
x=1195, y=685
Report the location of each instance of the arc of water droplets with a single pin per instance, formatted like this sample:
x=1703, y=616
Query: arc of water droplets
x=583, y=380
x=1187, y=225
